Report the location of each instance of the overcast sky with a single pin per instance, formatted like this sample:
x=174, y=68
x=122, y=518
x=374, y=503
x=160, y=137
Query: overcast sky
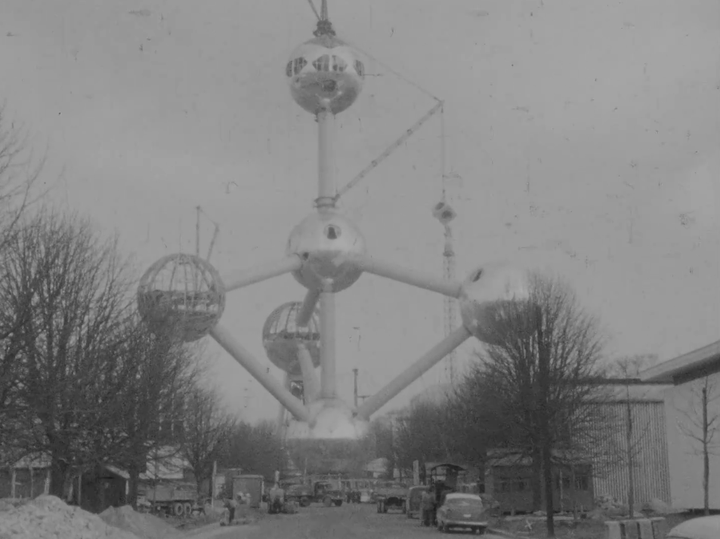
x=584, y=138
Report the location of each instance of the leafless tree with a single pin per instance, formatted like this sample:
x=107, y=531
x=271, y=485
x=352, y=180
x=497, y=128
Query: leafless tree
x=70, y=290
x=542, y=352
x=422, y=433
x=207, y=430
x=702, y=425
x=627, y=452
x=255, y=448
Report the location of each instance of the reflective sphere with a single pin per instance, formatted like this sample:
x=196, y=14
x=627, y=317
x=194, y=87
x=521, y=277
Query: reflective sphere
x=486, y=292
x=324, y=69
x=333, y=441
x=281, y=336
x=323, y=241
x=181, y=291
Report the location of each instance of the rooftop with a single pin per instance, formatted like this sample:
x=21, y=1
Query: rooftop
x=696, y=364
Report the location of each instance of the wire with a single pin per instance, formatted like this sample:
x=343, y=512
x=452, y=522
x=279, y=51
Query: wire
x=315, y=11
x=391, y=70
x=442, y=151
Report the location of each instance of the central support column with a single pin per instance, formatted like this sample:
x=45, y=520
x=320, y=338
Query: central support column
x=326, y=159
x=328, y=389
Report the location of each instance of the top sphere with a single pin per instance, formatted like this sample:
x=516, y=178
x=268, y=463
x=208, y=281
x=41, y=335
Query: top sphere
x=486, y=291
x=184, y=291
x=324, y=73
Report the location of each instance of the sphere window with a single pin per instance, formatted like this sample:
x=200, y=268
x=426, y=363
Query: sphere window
x=359, y=68
x=447, y=214
x=439, y=205
x=289, y=69
x=338, y=64
x=477, y=276
x=332, y=232
x=299, y=64
x=322, y=63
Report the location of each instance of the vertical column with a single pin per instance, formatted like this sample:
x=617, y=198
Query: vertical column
x=327, y=342
x=326, y=159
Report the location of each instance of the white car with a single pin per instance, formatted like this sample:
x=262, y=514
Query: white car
x=697, y=528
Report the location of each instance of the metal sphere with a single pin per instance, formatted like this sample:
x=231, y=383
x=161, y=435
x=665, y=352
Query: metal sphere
x=281, y=335
x=324, y=70
x=324, y=241
x=486, y=291
x=181, y=291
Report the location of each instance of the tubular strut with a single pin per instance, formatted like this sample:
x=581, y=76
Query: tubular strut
x=406, y=135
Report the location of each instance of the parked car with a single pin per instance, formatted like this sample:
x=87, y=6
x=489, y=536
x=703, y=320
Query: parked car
x=461, y=510
x=414, y=498
x=697, y=528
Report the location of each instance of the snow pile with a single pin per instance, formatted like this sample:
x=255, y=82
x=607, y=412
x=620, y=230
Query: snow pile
x=143, y=525
x=48, y=517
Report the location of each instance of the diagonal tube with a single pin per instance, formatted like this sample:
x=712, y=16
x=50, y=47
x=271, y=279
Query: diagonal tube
x=225, y=338
x=310, y=382
x=262, y=272
x=307, y=309
x=409, y=276
x=412, y=373
x=328, y=387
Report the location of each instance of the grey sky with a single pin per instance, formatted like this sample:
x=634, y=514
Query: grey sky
x=586, y=136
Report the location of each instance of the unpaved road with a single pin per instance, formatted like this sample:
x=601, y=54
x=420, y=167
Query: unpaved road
x=351, y=521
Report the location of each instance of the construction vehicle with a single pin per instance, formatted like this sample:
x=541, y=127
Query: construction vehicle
x=172, y=498
x=391, y=495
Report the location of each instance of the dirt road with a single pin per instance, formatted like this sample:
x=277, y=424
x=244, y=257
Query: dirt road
x=351, y=521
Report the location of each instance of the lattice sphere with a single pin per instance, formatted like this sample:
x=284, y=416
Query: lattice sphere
x=324, y=70
x=486, y=292
x=281, y=336
x=326, y=242
x=184, y=291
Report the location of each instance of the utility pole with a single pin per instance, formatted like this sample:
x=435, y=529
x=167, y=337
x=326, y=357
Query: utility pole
x=355, y=390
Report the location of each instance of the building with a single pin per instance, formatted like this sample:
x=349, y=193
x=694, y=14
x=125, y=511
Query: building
x=683, y=415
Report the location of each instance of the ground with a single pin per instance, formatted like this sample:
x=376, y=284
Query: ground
x=350, y=521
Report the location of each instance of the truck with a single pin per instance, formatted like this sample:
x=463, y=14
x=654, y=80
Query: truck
x=171, y=498
x=252, y=484
x=391, y=495
x=324, y=492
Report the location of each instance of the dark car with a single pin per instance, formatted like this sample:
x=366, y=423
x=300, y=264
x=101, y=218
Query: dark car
x=461, y=510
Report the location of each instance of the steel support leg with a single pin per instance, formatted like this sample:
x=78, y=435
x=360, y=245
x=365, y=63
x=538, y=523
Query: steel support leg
x=226, y=339
x=412, y=373
x=409, y=276
x=328, y=387
x=263, y=272
x=308, y=308
x=310, y=383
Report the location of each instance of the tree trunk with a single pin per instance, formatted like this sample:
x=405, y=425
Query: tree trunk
x=133, y=481
x=706, y=452
x=548, y=483
x=536, y=480
x=58, y=478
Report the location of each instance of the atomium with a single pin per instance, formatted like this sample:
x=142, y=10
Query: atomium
x=184, y=292
x=487, y=293
x=281, y=335
x=328, y=244
x=324, y=70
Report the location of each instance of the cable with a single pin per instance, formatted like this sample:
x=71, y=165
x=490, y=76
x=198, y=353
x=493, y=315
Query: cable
x=391, y=70
x=315, y=11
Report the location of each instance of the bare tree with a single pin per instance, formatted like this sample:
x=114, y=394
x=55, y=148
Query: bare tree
x=69, y=288
x=701, y=425
x=542, y=352
x=257, y=449
x=207, y=430
x=627, y=453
